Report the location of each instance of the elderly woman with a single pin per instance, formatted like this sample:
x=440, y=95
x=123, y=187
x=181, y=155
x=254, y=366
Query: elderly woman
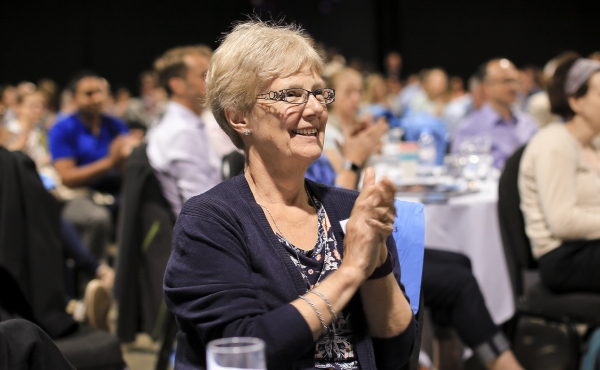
x=265, y=254
x=559, y=181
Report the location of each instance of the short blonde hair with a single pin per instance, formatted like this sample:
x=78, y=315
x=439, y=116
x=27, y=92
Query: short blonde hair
x=172, y=64
x=248, y=60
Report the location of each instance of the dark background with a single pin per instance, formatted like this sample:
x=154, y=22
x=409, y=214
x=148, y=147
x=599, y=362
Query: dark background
x=120, y=39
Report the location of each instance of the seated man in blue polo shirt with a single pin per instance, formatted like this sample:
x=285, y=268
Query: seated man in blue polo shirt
x=88, y=151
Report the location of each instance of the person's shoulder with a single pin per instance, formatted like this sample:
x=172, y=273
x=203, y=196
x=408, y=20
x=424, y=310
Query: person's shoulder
x=66, y=122
x=551, y=138
x=475, y=115
x=469, y=122
x=553, y=132
x=114, y=121
x=65, y=126
x=176, y=135
x=222, y=199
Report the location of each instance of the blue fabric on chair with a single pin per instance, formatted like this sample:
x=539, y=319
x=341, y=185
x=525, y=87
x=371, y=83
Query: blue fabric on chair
x=409, y=233
x=415, y=124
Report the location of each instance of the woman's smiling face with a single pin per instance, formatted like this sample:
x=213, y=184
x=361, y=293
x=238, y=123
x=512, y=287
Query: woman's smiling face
x=284, y=131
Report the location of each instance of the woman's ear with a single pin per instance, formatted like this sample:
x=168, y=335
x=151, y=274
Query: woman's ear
x=575, y=104
x=236, y=120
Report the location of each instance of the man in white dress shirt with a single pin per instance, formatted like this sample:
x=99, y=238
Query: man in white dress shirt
x=179, y=148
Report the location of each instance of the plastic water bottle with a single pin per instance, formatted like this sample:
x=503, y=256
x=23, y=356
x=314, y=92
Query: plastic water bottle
x=427, y=153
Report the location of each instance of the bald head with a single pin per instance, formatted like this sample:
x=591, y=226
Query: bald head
x=500, y=82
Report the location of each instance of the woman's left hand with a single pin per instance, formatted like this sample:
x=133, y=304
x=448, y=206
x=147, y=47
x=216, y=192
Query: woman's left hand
x=370, y=224
x=385, y=210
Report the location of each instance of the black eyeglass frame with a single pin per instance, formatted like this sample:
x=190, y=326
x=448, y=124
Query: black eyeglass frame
x=281, y=95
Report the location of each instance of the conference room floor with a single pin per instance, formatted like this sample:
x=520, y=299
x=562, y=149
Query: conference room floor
x=141, y=354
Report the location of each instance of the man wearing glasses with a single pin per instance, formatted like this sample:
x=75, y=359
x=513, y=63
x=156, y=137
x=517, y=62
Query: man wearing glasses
x=507, y=128
x=185, y=147
x=88, y=151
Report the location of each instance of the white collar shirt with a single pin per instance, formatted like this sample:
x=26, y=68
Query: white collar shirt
x=181, y=156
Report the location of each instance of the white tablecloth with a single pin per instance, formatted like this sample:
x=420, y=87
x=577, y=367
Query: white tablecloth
x=469, y=225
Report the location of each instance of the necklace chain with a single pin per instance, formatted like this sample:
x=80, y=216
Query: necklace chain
x=283, y=236
x=273, y=218
x=310, y=201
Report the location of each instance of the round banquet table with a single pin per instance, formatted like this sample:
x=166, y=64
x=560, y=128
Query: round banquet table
x=468, y=224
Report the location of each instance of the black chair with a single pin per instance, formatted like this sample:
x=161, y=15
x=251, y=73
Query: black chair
x=31, y=267
x=232, y=165
x=561, y=311
x=144, y=237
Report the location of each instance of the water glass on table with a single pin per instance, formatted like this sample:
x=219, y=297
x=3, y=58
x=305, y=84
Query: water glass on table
x=236, y=353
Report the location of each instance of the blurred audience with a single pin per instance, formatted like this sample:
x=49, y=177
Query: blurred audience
x=507, y=127
x=51, y=92
x=128, y=108
x=559, y=181
x=460, y=107
x=376, y=92
x=178, y=148
x=26, y=131
x=350, y=140
x=434, y=96
x=393, y=65
x=539, y=103
x=88, y=150
x=457, y=87
x=410, y=89
x=8, y=103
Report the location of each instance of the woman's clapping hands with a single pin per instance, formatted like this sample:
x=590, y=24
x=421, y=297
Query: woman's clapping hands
x=370, y=224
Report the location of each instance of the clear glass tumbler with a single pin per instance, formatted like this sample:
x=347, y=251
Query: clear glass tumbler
x=236, y=353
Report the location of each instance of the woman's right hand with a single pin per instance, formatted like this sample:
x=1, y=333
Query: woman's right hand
x=370, y=224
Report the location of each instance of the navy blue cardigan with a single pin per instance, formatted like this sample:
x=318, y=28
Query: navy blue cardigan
x=228, y=275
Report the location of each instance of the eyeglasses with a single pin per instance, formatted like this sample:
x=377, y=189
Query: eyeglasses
x=299, y=96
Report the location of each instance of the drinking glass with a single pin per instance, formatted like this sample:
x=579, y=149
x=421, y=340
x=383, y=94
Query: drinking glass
x=236, y=353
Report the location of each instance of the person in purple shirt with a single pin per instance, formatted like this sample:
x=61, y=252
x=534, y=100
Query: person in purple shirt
x=508, y=129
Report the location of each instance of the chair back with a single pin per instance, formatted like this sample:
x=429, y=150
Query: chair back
x=31, y=257
x=232, y=165
x=512, y=224
x=145, y=229
x=409, y=234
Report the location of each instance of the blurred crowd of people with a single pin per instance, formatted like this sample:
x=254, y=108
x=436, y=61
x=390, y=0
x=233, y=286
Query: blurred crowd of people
x=28, y=110
x=80, y=136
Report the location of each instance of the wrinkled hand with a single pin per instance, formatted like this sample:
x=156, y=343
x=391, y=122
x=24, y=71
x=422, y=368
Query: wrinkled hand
x=371, y=223
x=365, y=140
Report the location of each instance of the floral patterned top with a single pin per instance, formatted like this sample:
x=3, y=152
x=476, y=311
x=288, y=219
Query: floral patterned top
x=335, y=349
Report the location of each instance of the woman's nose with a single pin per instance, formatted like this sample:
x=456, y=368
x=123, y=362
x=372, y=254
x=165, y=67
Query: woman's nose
x=313, y=106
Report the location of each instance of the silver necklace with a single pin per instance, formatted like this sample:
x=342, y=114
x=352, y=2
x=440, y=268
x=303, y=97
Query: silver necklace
x=295, y=248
